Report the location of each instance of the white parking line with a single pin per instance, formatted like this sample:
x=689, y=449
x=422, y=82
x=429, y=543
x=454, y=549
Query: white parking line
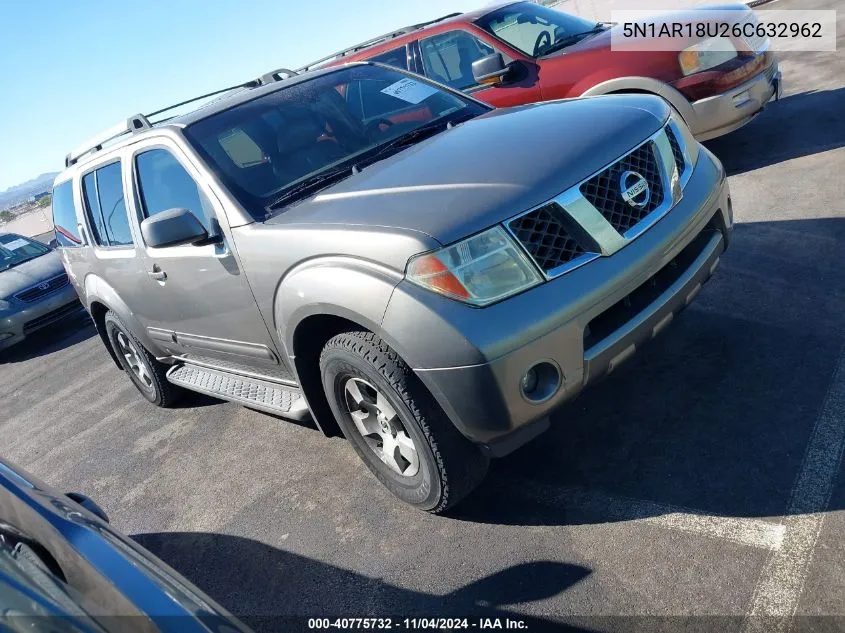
x=781, y=581
x=583, y=505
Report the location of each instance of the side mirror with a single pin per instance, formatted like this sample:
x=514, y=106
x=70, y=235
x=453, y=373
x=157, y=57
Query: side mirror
x=490, y=69
x=173, y=228
x=54, y=243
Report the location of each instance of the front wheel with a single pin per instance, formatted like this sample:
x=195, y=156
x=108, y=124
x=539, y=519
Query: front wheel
x=395, y=425
x=145, y=372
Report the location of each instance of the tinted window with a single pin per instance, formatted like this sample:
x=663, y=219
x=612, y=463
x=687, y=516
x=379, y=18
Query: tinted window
x=64, y=216
x=534, y=29
x=448, y=57
x=398, y=57
x=164, y=184
x=307, y=127
x=102, y=190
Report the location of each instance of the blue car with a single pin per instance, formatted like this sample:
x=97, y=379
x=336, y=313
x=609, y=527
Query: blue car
x=63, y=569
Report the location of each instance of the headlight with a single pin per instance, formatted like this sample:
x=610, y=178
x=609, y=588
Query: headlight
x=4, y=305
x=687, y=139
x=706, y=54
x=479, y=270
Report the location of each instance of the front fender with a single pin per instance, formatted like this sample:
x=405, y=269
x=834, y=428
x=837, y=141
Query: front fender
x=99, y=291
x=346, y=287
x=646, y=84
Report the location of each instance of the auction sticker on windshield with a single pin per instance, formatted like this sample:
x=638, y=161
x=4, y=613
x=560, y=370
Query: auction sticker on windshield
x=409, y=90
x=15, y=244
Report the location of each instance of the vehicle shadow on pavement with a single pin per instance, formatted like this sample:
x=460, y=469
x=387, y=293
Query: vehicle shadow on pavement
x=714, y=416
x=262, y=585
x=797, y=125
x=52, y=339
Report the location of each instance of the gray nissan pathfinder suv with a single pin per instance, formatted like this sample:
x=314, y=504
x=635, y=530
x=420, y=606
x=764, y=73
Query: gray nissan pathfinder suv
x=380, y=253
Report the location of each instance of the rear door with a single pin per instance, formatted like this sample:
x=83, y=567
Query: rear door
x=107, y=229
x=447, y=57
x=194, y=300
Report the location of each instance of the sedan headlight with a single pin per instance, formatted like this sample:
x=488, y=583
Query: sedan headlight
x=479, y=270
x=5, y=305
x=706, y=54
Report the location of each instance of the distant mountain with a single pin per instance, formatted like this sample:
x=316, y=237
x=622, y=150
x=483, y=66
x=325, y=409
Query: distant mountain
x=25, y=190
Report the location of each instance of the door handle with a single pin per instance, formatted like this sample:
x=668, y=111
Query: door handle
x=157, y=273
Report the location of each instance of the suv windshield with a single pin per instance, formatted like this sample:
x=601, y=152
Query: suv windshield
x=290, y=142
x=16, y=249
x=537, y=30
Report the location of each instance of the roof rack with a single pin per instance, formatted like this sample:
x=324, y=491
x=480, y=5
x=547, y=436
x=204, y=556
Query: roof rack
x=376, y=40
x=139, y=122
x=280, y=74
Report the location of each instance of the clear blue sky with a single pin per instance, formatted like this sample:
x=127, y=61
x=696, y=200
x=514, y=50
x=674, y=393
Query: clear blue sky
x=71, y=69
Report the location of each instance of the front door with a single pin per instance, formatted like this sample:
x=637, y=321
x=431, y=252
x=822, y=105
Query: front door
x=196, y=300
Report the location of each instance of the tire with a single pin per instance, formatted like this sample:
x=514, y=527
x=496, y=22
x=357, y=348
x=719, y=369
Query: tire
x=447, y=467
x=151, y=380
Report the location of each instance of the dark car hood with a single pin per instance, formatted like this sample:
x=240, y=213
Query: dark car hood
x=30, y=273
x=488, y=169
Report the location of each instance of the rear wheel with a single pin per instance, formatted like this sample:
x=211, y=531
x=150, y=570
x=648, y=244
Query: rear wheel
x=145, y=372
x=395, y=425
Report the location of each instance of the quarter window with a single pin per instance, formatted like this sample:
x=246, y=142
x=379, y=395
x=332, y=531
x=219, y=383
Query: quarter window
x=397, y=57
x=64, y=216
x=163, y=184
x=102, y=191
x=448, y=57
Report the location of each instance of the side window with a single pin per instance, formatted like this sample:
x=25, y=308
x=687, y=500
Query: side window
x=397, y=57
x=163, y=184
x=448, y=57
x=64, y=216
x=102, y=191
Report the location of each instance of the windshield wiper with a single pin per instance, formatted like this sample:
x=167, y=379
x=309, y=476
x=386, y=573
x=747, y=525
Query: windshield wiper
x=569, y=40
x=325, y=178
x=311, y=185
x=410, y=137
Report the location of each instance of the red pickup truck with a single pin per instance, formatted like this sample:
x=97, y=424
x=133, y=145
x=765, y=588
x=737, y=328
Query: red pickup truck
x=525, y=52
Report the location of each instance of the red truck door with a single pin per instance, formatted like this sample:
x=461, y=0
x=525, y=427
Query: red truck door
x=447, y=57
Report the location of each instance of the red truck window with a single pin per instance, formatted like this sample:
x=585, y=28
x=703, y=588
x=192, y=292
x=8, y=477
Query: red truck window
x=448, y=57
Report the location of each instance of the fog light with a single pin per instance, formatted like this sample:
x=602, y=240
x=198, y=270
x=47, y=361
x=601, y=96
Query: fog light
x=540, y=382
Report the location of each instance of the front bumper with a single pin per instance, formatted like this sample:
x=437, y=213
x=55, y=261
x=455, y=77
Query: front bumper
x=31, y=317
x=726, y=112
x=582, y=322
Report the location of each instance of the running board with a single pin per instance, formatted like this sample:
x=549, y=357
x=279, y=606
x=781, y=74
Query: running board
x=250, y=392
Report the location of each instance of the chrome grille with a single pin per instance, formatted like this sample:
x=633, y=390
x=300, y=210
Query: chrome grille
x=604, y=191
x=680, y=163
x=36, y=292
x=545, y=237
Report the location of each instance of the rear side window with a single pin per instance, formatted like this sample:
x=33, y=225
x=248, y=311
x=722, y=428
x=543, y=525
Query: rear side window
x=164, y=184
x=448, y=57
x=397, y=57
x=102, y=191
x=64, y=216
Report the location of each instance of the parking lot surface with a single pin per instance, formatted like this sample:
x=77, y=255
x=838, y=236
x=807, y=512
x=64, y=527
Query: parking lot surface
x=700, y=479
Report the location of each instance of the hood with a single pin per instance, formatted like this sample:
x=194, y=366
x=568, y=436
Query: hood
x=30, y=273
x=488, y=169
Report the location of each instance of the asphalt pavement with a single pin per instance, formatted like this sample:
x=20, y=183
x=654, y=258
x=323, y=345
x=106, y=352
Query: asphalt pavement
x=698, y=486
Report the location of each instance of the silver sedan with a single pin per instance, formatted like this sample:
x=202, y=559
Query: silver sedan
x=34, y=288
